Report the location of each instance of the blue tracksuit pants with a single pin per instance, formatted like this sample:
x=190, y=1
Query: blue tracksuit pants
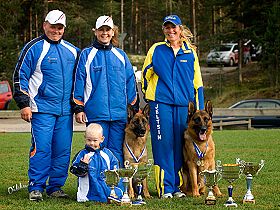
x=50, y=151
x=167, y=124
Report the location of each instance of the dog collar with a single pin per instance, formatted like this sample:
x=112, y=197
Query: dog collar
x=137, y=160
x=198, y=152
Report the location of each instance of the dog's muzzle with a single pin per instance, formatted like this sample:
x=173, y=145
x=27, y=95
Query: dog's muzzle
x=139, y=132
x=202, y=133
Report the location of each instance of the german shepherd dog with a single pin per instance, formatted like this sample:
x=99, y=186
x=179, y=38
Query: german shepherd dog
x=198, y=150
x=134, y=147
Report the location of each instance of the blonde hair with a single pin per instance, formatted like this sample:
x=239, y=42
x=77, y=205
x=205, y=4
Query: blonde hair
x=93, y=128
x=186, y=35
x=115, y=38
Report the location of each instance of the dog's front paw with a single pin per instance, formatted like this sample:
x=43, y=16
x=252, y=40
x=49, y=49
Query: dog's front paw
x=195, y=194
x=131, y=194
x=147, y=195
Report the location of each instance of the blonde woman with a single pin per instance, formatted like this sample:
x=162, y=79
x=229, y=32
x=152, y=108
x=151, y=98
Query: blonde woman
x=171, y=78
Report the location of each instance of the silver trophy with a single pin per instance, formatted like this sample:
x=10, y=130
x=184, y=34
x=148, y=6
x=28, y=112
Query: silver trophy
x=229, y=172
x=211, y=179
x=112, y=179
x=250, y=169
x=143, y=171
x=126, y=173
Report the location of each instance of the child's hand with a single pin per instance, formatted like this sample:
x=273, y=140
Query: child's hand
x=86, y=158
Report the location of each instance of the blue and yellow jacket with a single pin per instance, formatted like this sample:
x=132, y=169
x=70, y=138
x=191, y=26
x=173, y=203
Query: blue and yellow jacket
x=104, y=83
x=171, y=79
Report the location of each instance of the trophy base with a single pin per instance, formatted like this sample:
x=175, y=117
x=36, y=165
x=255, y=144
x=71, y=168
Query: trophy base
x=248, y=201
x=112, y=199
x=230, y=205
x=127, y=203
x=210, y=201
x=138, y=202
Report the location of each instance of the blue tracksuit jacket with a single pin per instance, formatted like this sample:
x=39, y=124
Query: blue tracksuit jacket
x=91, y=180
x=43, y=76
x=104, y=83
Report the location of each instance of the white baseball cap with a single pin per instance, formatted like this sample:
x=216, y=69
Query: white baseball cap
x=104, y=21
x=56, y=17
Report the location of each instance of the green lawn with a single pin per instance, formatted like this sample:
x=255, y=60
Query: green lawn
x=252, y=145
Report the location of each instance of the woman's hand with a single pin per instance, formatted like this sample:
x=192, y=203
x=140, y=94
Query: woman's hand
x=80, y=117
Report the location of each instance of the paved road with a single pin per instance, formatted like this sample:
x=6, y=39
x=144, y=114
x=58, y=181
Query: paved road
x=19, y=125
x=216, y=70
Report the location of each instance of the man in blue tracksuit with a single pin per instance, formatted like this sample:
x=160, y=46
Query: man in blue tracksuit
x=104, y=85
x=43, y=81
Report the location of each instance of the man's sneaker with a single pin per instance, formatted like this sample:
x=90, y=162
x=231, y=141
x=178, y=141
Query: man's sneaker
x=179, y=195
x=167, y=195
x=59, y=194
x=35, y=195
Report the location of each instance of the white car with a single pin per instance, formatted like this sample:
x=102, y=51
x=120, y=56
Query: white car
x=137, y=74
x=225, y=54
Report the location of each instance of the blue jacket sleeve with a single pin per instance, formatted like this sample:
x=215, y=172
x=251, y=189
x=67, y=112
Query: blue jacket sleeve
x=130, y=82
x=79, y=83
x=24, y=69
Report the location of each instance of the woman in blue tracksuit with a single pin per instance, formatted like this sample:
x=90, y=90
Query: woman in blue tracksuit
x=171, y=78
x=104, y=86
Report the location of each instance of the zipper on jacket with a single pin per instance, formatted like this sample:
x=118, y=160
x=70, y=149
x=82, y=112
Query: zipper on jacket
x=108, y=88
x=63, y=82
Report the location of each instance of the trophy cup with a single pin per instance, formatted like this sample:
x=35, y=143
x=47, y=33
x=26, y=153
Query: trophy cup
x=230, y=172
x=250, y=169
x=143, y=170
x=126, y=173
x=112, y=179
x=211, y=179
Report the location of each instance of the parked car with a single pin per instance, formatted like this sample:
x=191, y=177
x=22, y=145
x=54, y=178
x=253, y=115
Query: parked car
x=261, y=121
x=5, y=94
x=226, y=54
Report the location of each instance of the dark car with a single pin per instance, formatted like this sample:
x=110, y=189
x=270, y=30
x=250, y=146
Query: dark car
x=5, y=94
x=261, y=121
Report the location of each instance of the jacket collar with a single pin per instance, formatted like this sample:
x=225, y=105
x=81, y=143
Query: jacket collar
x=90, y=149
x=100, y=46
x=44, y=36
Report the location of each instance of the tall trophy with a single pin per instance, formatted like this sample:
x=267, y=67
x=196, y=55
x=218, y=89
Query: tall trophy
x=126, y=173
x=112, y=179
x=230, y=172
x=250, y=169
x=211, y=179
x=143, y=171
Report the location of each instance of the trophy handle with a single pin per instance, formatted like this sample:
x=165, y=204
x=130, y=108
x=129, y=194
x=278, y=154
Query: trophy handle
x=126, y=164
x=261, y=164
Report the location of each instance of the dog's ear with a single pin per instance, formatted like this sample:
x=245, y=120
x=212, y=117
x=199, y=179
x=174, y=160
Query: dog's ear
x=130, y=112
x=191, y=110
x=146, y=111
x=209, y=108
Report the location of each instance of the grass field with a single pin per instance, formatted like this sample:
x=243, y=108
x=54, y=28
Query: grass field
x=252, y=145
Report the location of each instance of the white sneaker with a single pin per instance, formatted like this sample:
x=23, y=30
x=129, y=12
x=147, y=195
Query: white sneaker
x=179, y=195
x=167, y=195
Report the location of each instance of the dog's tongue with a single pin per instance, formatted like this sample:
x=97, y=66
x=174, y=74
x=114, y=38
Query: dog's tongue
x=202, y=136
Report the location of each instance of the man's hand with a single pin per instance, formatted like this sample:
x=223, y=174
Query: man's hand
x=80, y=117
x=26, y=114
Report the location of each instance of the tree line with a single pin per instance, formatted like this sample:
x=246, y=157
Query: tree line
x=140, y=21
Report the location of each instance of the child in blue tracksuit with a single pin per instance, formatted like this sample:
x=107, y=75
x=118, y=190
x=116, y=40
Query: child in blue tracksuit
x=89, y=165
